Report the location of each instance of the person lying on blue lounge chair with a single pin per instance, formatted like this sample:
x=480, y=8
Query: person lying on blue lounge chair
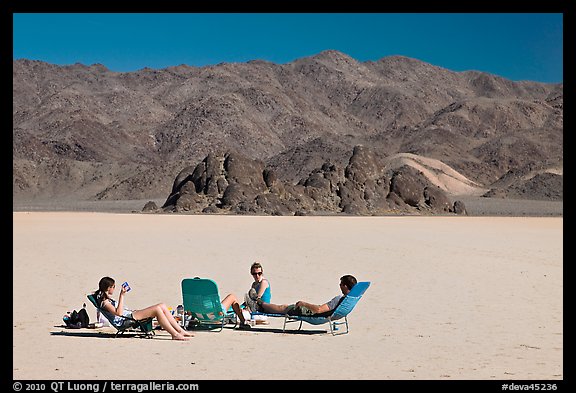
x=301, y=307
x=115, y=309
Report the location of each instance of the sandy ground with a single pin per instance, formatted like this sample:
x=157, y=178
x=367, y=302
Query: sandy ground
x=451, y=297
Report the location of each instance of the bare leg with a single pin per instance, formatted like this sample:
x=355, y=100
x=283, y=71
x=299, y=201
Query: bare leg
x=173, y=321
x=231, y=300
x=274, y=308
x=156, y=311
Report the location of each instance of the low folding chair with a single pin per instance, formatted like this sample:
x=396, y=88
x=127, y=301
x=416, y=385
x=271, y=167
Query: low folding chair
x=201, y=298
x=140, y=326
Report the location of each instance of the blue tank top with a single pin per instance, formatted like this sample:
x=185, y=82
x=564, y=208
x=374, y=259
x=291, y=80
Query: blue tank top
x=267, y=295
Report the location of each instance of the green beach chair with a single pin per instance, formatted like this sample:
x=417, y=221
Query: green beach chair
x=201, y=298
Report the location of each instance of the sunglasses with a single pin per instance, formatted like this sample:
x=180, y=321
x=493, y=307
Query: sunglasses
x=256, y=273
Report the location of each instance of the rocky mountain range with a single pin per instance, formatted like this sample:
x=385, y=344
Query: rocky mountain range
x=85, y=132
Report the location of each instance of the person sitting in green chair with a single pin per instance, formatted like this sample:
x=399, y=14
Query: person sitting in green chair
x=116, y=310
x=231, y=301
x=301, y=307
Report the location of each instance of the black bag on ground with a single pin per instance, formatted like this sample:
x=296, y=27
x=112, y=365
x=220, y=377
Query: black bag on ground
x=77, y=319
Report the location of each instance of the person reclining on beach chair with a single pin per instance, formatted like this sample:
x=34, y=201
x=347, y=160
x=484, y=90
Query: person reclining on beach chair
x=301, y=307
x=201, y=298
x=116, y=312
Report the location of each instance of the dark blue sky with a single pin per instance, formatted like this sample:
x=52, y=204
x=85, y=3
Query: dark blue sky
x=524, y=46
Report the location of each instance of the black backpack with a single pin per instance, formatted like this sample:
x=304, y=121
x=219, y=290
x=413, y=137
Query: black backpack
x=77, y=319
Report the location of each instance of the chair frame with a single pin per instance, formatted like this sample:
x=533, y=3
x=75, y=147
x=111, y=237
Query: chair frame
x=219, y=321
x=334, y=320
x=334, y=325
x=135, y=323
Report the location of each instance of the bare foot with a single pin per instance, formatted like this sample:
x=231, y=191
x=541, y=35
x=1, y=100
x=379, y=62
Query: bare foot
x=187, y=334
x=180, y=337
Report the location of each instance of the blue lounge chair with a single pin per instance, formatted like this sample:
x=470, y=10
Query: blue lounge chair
x=201, y=298
x=344, y=308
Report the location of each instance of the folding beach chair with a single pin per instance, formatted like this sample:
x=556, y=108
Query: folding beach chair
x=201, y=298
x=344, y=308
x=140, y=326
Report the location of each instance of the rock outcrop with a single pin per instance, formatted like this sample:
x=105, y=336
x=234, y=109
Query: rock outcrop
x=230, y=183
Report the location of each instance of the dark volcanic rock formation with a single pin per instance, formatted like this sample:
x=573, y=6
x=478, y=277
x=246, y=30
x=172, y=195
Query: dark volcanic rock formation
x=231, y=183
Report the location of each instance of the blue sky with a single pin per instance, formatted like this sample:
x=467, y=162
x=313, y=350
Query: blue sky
x=523, y=46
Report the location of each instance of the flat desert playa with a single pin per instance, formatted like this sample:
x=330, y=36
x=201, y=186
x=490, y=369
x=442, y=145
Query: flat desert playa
x=450, y=297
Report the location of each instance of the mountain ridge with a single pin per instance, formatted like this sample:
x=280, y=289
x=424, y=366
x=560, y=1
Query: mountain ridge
x=141, y=128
